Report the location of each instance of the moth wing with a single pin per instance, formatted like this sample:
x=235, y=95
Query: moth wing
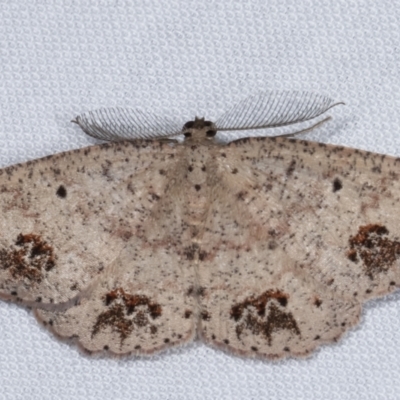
x=333, y=209
x=66, y=217
x=310, y=231
x=256, y=300
x=141, y=304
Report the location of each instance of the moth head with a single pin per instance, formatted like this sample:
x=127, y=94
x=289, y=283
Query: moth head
x=199, y=129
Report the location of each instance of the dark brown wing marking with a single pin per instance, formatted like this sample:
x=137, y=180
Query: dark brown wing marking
x=125, y=312
x=372, y=246
x=29, y=258
x=264, y=315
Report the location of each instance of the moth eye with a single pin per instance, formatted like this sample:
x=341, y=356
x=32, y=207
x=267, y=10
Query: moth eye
x=188, y=134
x=211, y=133
x=188, y=125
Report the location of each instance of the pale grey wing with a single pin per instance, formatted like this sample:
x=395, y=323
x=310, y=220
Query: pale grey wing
x=66, y=217
x=256, y=300
x=334, y=210
x=274, y=109
x=140, y=305
x=126, y=124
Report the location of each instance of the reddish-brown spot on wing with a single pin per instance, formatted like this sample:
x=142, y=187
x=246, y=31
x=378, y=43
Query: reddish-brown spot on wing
x=30, y=257
x=263, y=315
x=125, y=311
x=259, y=303
x=115, y=317
x=317, y=302
x=372, y=246
x=205, y=315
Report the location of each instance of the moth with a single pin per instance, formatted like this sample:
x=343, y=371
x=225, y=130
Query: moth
x=264, y=246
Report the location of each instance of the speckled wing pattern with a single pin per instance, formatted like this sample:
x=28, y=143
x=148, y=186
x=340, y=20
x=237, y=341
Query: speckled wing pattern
x=74, y=246
x=313, y=233
x=263, y=246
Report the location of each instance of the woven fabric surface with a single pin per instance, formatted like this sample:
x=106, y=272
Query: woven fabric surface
x=179, y=59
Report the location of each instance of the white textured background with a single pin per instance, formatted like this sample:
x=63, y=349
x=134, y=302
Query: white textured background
x=182, y=58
